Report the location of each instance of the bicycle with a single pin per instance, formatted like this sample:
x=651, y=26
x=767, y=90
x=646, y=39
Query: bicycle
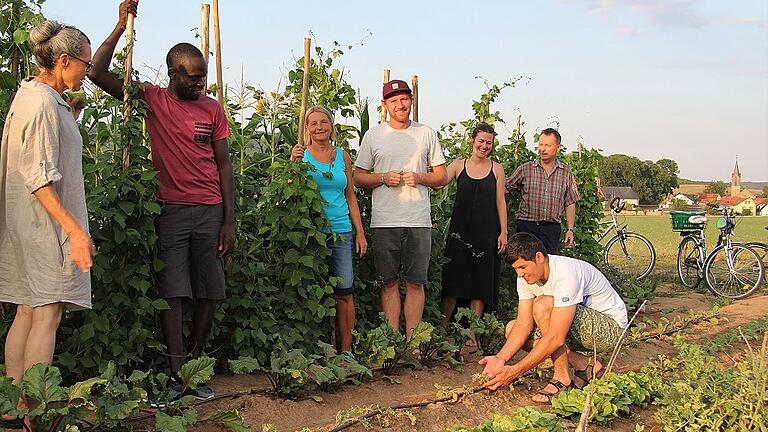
x=627, y=251
x=731, y=269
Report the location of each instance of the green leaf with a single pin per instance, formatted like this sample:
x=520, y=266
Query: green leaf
x=42, y=382
x=244, y=365
x=82, y=390
x=20, y=36
x=197, y=371
x=152, y=207
x=127, y=207
x=232, y=420
x=160, y=304
x=6, y=81
x=166, y=423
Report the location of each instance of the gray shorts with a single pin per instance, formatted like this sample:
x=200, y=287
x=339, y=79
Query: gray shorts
x=402, y=249
x=188, y=241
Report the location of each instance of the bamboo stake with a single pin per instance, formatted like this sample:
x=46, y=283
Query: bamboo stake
x=584, y=419
x=217, y=41
x=415, y=91
x=383, y=118
x=517, y=138
x=127, y=80
x=205, y=32
x=304, y=90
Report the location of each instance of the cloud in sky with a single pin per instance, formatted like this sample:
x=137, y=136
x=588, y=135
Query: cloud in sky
x=747, y=22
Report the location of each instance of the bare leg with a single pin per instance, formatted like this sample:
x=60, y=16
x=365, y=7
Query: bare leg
x=477, y=307
x=16, y=343
x=447, y=306
x=414, y=306
x=345, y=315
x=542, y=311
x=201, y=325
x=41, y=339
x=390, y=303
x=171, y=322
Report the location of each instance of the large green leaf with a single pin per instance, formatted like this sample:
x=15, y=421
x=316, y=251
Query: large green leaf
x=197, y=371
x=42, y=382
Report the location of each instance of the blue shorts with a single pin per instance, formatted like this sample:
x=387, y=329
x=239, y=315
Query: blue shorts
x=340, y=262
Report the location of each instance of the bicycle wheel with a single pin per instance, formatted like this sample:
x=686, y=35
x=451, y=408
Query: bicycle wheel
x=631, y=254
x=688, y=264
x=762, y=252
x=734, y=272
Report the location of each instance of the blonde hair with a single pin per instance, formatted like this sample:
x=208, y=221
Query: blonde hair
x=312, y=110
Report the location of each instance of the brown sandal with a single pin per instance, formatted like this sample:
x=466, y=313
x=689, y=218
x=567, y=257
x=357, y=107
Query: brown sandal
x=558, y=385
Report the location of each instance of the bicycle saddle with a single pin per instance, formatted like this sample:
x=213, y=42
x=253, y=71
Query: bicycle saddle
x=697, y=219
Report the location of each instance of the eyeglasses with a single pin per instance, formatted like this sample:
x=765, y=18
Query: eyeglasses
x=88, y=64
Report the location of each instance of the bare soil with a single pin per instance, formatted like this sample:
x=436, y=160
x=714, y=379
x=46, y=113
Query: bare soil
x=419, y=385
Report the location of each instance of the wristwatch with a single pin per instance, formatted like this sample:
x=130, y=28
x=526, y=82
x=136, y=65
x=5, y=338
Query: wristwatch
x=569, y=229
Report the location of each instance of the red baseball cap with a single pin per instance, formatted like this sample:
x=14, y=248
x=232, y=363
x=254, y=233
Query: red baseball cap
x=394, y=87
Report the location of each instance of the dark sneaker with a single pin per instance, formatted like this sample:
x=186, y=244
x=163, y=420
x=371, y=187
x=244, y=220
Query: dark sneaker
x=175, y=389
x=175, y=392
x=202, y=392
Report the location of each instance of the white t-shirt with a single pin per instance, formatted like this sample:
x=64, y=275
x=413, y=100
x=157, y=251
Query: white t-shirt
x=385, y=149
x=572, y=281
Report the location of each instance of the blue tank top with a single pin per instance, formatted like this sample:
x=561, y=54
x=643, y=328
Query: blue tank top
x=331, y=179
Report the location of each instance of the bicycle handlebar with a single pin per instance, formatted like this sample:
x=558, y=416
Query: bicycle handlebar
x=617, y=205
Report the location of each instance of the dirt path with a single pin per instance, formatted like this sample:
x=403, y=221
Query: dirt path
x=418, y=386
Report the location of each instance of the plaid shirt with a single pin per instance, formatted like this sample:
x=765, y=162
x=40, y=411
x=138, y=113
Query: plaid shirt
x=544, y=196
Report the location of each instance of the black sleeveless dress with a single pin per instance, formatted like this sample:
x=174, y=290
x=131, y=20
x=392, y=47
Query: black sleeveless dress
x=472, y=271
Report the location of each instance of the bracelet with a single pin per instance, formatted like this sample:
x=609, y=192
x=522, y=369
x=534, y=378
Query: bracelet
x=382, y=180
x=569, y=229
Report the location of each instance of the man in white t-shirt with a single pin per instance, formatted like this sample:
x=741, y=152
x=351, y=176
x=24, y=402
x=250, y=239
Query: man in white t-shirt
x=393, y=160
x=565, y=305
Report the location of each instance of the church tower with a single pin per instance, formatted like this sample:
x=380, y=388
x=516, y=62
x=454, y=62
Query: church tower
x=736, y=180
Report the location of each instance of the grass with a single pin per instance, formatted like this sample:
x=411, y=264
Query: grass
x=658, y=229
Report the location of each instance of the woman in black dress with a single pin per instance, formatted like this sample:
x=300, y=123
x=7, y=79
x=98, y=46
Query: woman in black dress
x=478, y=232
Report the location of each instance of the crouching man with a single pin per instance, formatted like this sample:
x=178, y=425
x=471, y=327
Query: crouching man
x=565, y=305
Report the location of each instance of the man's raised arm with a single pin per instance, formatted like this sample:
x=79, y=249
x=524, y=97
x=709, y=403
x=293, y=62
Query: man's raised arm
x=100, y=74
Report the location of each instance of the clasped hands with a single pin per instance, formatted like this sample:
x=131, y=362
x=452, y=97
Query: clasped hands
x=395, y=178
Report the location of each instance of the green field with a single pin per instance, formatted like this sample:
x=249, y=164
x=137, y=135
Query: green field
x=658, y=229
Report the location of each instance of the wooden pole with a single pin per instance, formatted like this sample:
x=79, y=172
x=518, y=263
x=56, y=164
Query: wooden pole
x=415, y=90
x=205, y=32
x=383, y=108
x=304, y=90
x=127, y=81
x=217, y=41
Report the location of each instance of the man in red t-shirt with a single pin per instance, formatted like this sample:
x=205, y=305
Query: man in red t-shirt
x=196, y=229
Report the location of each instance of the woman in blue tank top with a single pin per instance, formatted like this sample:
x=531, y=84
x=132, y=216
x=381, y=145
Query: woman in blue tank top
x=332, y=171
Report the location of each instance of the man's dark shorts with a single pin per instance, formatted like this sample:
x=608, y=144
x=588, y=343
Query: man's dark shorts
x=406, y=249
x=188, y=241
x=547, y=232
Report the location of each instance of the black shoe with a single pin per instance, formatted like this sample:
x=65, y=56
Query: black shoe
x=202, y=392
x=175, y=389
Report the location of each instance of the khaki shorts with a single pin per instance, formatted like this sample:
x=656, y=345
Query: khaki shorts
x=591, y=330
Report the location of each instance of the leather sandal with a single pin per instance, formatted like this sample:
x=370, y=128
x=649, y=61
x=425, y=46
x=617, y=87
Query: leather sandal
x=11, y=423
x=558, y=385
x=587, y=374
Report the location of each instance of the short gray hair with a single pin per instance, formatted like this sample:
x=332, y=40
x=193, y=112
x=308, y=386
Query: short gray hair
x=50, y=39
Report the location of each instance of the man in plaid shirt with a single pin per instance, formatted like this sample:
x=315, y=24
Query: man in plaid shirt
x=547, y=187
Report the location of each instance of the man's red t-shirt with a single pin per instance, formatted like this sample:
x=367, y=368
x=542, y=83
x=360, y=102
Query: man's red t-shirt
x=182, y=133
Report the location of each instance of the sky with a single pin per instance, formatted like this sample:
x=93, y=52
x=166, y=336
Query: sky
x=679, y=79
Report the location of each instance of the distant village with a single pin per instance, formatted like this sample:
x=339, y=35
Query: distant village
x=740, y=199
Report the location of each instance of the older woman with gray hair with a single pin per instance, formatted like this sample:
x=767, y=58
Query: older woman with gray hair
x=45, y=249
